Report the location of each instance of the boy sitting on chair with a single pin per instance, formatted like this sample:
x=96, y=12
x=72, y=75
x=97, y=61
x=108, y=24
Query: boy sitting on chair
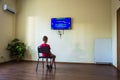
x=44, y=44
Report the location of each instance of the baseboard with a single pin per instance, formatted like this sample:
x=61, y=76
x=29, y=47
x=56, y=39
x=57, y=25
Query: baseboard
x=6, y=62
x=103, y=63
x=74, y=63
x=63, y=63
x=115, y=67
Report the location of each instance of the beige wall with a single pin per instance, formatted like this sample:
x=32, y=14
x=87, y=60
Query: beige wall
x=115, y=7
x=7, y=29
x=91, y=19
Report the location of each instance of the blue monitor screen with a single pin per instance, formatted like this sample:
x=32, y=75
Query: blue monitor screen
x=61, y=23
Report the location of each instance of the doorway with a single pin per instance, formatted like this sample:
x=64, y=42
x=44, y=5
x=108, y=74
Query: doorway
x=118, y=38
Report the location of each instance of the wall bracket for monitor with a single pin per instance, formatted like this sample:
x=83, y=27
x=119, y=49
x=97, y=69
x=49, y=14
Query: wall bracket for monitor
x=60, y=33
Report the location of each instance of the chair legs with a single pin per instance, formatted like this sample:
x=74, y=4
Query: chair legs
x=55, y=65
x=37, y=65
x=43, y=63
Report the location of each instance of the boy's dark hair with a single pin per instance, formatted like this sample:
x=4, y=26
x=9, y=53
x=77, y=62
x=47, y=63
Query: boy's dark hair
x=45, y=38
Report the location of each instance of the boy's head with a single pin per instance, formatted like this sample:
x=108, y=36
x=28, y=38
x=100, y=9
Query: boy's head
x=45, y=39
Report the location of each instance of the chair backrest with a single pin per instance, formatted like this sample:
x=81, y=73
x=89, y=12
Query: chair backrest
x=43, y=50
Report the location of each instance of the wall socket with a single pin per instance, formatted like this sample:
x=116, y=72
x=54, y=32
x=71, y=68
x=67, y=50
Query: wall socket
x=2, y=57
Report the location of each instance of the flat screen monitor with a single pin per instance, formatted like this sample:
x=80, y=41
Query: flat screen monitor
x=61, y=23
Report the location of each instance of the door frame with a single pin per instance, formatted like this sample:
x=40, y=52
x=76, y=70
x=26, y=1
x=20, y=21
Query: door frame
x=118, y=39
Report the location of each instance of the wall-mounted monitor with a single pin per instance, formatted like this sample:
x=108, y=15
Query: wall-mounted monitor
x=61, y=23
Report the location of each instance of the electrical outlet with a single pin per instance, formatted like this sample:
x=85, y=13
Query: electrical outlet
x=2, y=57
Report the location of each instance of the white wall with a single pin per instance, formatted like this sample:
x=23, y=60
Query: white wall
x=91, y=19
x=7, y=29
x=115, y=6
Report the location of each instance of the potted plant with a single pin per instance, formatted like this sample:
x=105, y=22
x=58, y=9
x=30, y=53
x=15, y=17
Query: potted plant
x=17, y=49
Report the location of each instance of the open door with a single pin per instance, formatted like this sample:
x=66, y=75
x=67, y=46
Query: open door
x=118, y=39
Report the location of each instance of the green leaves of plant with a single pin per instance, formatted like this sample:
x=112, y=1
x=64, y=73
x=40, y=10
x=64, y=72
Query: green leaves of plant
x=17, y=48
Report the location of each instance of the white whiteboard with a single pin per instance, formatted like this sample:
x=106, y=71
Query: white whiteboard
x=103, y=50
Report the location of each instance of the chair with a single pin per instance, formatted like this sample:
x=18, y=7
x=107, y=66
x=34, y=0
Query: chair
x=43, y=50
